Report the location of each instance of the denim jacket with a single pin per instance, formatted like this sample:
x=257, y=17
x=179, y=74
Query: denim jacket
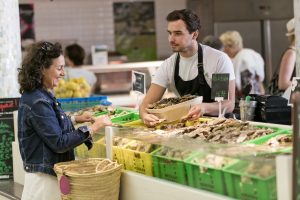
x=46, y=134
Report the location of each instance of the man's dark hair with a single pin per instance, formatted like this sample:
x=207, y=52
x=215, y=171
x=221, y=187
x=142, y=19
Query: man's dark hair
x=213, y=42
x=190, y=18
x=75, y=53
x=39, y=56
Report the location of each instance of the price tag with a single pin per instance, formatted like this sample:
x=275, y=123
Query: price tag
x=8, y=105
x=220, y=85
x=139, y=82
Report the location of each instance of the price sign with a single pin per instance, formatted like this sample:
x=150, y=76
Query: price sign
x=7, y=106
x=6, y=138
x=220, y=85
x=138, y=82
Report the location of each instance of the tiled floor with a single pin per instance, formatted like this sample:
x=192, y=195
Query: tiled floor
x=10, y=189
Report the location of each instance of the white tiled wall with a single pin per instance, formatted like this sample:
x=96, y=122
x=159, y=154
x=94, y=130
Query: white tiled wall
x=91, y=21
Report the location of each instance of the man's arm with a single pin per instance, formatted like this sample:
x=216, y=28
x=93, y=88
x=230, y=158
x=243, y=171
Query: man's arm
x=154, y=94
x=213, y=108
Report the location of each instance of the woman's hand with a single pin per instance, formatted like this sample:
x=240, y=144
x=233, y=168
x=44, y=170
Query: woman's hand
x=100, y=123
x=85, y=117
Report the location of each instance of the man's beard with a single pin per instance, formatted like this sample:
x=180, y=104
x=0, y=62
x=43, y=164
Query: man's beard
x=177, y=49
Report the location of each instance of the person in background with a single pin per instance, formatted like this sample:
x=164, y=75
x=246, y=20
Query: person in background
x=248, y=65
x=46, y=134
x=74, y=56
x=288, y=60
x=189, y=69
x=213, y=42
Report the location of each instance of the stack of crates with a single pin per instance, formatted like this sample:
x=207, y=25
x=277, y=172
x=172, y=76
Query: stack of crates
x=75, y=104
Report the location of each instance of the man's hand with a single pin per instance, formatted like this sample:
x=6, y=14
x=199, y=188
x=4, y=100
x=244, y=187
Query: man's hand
x=150, y=120
x=195, y=112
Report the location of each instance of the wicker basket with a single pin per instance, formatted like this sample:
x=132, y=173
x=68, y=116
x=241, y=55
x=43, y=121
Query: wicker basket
x=175, y=112
x=89, y=179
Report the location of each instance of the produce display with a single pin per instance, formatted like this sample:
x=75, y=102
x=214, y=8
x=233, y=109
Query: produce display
x=170, y=101
x=100, y=110
x=258, y=169
x=216, y=163
x=119, y=141
x=94, y=109
x=280, y=141
x=74, y=87
x=174, y=153
x=212, y=160
x=140, y=146
x=221, y=130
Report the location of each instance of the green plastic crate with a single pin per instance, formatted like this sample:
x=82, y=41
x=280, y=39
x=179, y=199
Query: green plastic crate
x=242, y=185
x=276, y=132
x=168, y=168
x=264, y=139
x=206, y=176
x=117, y=112
x=125, y=118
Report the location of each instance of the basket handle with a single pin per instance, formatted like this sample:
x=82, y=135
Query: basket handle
x=63, y=168
x=99, y=164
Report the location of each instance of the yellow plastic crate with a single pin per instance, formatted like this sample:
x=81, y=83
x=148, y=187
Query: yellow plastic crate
x=117, y=152
x=81, y=151
x=137, y=161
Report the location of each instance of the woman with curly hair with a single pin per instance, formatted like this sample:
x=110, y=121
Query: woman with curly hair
x=46, y=134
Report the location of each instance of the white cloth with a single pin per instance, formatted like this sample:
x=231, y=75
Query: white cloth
x=40, y=186
x=287, y=93
x=248, y=59
x=90, y=77
x=214, y=61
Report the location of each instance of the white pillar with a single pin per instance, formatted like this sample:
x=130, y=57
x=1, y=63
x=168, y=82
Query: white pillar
x=297, y=34
x=10, y=48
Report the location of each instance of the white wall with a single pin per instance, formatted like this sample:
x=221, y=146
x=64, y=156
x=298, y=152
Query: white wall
x=91, y=21
x=10, y=48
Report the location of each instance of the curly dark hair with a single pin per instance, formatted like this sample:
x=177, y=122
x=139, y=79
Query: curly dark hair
x=39, y=56
x=75, y=53
x=190, y=18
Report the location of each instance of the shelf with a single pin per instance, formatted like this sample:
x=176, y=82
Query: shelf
x=136, y=186
x=123, y=67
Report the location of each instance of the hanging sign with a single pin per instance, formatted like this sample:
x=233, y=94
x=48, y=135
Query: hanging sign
x=139, y=82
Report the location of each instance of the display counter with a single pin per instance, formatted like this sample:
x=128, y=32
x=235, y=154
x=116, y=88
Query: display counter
x=136, y=186
x=116, y=78
x=123, y=67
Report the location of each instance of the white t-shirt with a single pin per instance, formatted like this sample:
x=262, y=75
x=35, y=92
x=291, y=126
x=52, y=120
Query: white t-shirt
x=248, y=59
x=90, y=77
x=214, y=61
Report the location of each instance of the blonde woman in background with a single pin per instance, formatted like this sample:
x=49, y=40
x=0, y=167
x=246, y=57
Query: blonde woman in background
x=248, y=64
x=288, y=59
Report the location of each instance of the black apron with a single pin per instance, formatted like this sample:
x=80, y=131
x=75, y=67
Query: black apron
x=198, y=86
